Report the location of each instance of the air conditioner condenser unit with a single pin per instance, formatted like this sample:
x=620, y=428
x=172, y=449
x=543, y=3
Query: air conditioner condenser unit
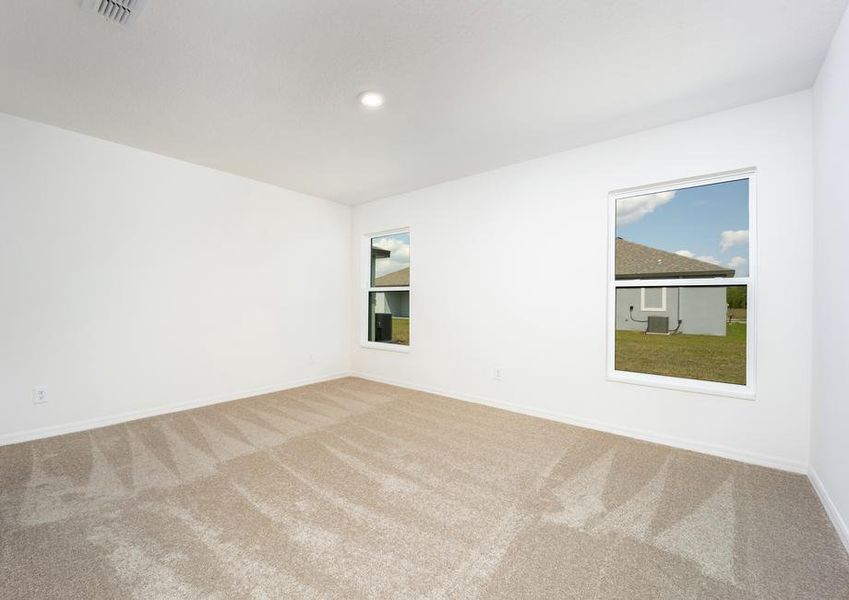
x=658, y=325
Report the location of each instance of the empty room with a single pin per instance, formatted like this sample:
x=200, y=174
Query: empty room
x=417, y=299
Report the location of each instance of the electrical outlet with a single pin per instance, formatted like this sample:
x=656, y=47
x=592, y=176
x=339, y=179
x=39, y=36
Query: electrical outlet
x=39, y=395
x=496, y=373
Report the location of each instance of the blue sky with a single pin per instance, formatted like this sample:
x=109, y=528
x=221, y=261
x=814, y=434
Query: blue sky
x=708, y=222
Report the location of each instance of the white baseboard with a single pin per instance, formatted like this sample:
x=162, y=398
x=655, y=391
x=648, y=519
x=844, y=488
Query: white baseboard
x=830, y=508
x=85, y=424
x=684, y=444
x=730, y=453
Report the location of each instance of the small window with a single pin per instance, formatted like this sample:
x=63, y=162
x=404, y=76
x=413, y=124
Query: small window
x=388, y=293
x=653, y=299
x=681, y=277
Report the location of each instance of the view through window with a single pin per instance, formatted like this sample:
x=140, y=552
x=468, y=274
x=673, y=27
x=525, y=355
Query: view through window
x=681, y=282
x=389, y=289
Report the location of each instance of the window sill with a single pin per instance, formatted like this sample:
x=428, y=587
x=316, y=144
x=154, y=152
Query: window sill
x=711, y=388
x=385, y=346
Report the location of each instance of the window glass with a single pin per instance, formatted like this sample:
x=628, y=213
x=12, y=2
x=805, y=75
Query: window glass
x=700, y=231
x=390, y=260
x=680, y=285
x=388, y=295
x=701, y=334
x=389, y=317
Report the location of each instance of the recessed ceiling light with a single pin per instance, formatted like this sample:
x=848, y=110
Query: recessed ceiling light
x=371, y=100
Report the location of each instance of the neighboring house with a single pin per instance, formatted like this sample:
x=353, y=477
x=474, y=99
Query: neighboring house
x=701, y=310
x=396, y=278
x=395, y=303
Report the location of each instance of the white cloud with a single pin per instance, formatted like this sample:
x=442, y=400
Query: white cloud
x=727, y=239
x=740, y=266
x=398, y=259
x=396, y=246
x=736, y=262
x=631, y=210
x=708, y=259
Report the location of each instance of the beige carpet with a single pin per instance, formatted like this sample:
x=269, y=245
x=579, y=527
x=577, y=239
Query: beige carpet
x=353, y=489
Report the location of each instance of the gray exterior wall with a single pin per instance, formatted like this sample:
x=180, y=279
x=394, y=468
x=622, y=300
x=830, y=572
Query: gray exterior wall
x=702, y=310
x=395, y=303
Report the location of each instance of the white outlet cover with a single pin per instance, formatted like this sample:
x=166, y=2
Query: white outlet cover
x=39, y=395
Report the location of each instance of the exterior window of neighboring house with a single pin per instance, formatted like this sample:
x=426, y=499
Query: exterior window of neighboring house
x=387, y=314
x=682, y=285
x=653, y=299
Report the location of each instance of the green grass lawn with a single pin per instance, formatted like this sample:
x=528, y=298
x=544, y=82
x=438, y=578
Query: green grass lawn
x=705, y=357
x=400, y=331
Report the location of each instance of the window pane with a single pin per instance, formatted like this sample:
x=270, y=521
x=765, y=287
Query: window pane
x=701, y=231
x=700, y=334
x=389, y=317
x=390, y=260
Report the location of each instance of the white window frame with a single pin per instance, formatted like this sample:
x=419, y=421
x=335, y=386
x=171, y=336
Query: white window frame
x=679, y=383
x=644, y=308
x=367, y=288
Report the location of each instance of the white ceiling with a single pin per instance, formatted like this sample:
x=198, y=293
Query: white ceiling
x=267, y=88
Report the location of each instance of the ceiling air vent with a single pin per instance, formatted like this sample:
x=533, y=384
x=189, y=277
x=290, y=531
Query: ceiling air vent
x=122, y=12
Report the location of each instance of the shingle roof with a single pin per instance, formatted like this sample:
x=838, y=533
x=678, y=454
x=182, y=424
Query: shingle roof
x=635, y=261
x=400, y=277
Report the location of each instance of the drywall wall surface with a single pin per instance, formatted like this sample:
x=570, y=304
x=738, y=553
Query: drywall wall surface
x=131, y=283
x=830, y=426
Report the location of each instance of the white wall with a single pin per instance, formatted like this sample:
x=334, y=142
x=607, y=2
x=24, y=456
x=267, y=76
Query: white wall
x=130, y=282
x=830, y=427
x=509, y=270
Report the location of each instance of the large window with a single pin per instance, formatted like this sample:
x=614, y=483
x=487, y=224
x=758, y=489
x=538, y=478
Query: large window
x=388, y=290
x=681, y=285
